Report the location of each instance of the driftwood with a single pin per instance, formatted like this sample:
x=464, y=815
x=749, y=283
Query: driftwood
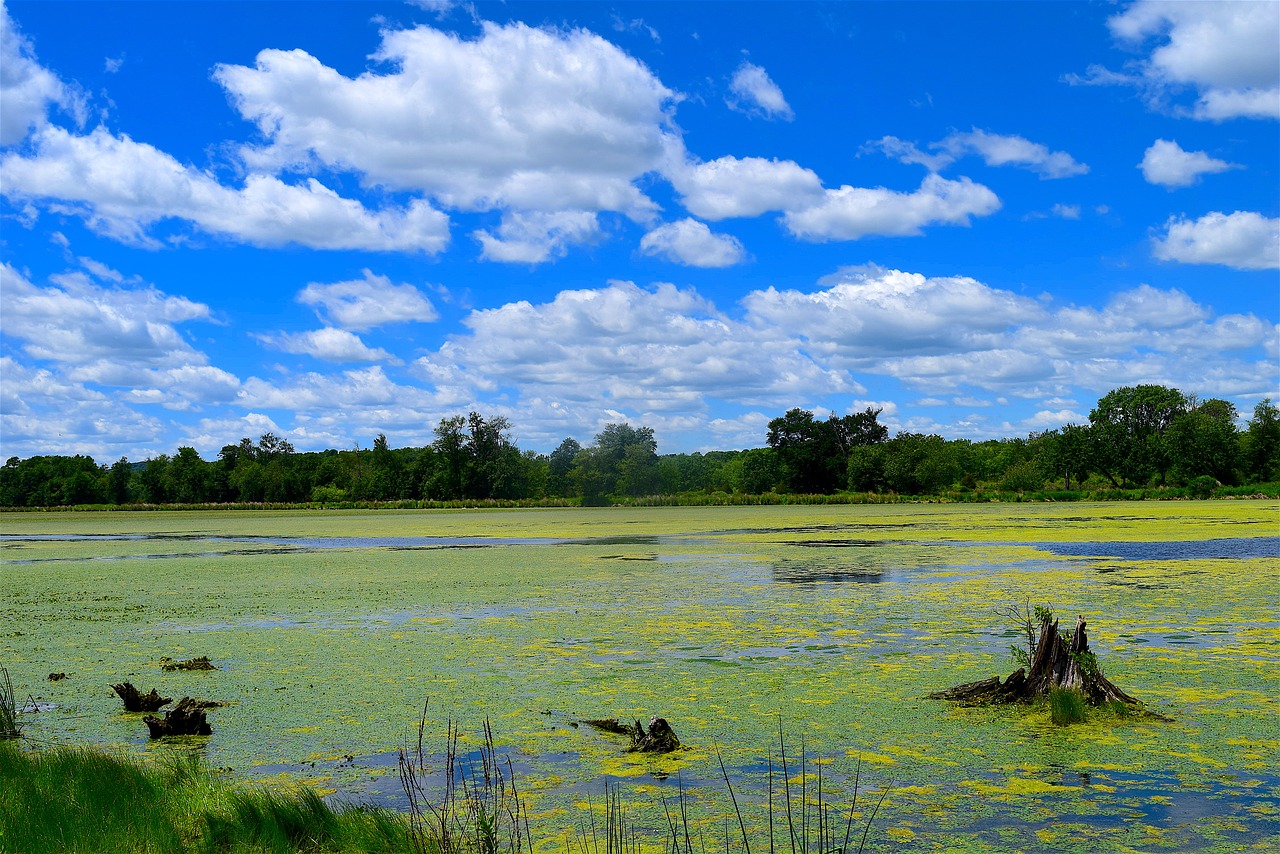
x=135, y=701
x=1058, y=662
x=201, y=663
x=186, y=718
x=660, y=737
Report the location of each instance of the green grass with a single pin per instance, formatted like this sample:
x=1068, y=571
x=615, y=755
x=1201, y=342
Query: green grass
x=10, y=727
x=1066, y=706
x=88, y=800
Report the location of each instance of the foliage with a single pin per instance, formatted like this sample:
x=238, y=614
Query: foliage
x=1138, y=439
x=10, y=726
x=1066, y=706
x=81, y=799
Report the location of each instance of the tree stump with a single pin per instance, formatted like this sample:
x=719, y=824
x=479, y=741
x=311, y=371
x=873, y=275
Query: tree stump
x=1058, y=662
x=186, y=718
x=660, y=737
x=138, y=702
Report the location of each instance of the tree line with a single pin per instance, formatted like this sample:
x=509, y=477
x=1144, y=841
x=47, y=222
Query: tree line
x=1139, y=437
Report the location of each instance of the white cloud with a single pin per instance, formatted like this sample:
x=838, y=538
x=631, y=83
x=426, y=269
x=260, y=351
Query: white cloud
x=1064, y=211
x=853, y=212
x=27, y=89
x=691, y=242
x=362, y=304
x=1226, y=51
x=866, y=314
x=518, y=118
x=628, y=349
x=1244, y=240
x=535, y=237
x=754, y=92
x=78, y=322
x=1166, y=164
x=329, y=344
x=745, y=187
x=123, y=187
x=995, y=149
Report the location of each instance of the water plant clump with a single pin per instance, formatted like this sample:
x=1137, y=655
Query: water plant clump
x=10, y=726
x=1067, y=706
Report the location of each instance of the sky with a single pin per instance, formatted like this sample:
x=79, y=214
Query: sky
x=332, y=220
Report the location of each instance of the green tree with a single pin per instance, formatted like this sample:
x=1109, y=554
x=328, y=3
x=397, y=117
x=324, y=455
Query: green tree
x=1262, y=443
x=1129, y=427
x=1203, y=441
x=559, y=465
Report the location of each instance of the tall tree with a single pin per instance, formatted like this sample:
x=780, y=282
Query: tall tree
x=1262, y=442
x=1129, y=426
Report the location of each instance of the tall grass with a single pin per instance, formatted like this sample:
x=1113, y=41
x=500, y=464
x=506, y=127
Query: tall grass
x=1066, y=706
x=86, y=800
x=10, y=726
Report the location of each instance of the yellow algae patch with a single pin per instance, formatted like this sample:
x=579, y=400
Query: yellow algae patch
x=873, y=758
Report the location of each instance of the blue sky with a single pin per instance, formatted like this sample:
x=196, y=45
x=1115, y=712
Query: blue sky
x=333, y=220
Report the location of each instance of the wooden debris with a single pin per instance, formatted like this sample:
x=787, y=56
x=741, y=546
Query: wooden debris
x=201, y=663
x=659, y=738
x=134, y=701
x=186, y=718
x=1058, y=662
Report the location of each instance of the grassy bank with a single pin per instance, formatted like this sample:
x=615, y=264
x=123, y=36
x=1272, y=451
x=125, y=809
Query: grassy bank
x=725, y=499
x=71, y=800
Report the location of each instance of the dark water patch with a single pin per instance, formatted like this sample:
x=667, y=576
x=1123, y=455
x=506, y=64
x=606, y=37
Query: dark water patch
x=789, y=572
x=1212, y=549
x=612, y=541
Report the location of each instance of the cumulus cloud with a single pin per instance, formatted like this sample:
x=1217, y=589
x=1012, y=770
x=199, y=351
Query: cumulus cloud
x=363, y=304
x=1244, y=240
x=78, y=322
x=27, y=89
x=538, y=236
x=850, y=213
x=1226, y=52
x=745, y=187
x=123, y=187
x=519, y=118
x=665, y=350
x=665, y=354
x=692, y=243
x=1166, y=164
x=995, y=149
x=752, y=91
x=329, y=344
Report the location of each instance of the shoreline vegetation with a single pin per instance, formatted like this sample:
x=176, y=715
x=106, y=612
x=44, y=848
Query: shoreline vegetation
x=1140, y=443
x=1254, y=491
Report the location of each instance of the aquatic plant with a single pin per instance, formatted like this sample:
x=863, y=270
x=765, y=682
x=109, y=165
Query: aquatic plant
x=10, y=726
x=1067, y=706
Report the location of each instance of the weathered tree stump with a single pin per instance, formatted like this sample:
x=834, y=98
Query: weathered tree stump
x=1058, y=662
x=134, y=701
x=201, y=663
x=660, y=737
x=186, y=718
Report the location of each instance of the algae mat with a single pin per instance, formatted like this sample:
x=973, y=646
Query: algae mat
x=330, y=630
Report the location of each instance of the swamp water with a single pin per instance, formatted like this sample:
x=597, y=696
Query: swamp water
x=331, y=629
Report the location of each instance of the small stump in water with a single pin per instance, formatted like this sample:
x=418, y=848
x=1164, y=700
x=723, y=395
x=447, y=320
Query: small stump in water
x=186, y=718
x=201, y=663
x=1058, y=662
x=135, y=701
x=660, y=737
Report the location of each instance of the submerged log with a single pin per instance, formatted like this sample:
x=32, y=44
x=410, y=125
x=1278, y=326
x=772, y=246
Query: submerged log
x=660, y=737
x=186, y=718
x=135, y=701
x=1058, y=662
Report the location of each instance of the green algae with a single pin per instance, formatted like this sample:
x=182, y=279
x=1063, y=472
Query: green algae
x=835, y=620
